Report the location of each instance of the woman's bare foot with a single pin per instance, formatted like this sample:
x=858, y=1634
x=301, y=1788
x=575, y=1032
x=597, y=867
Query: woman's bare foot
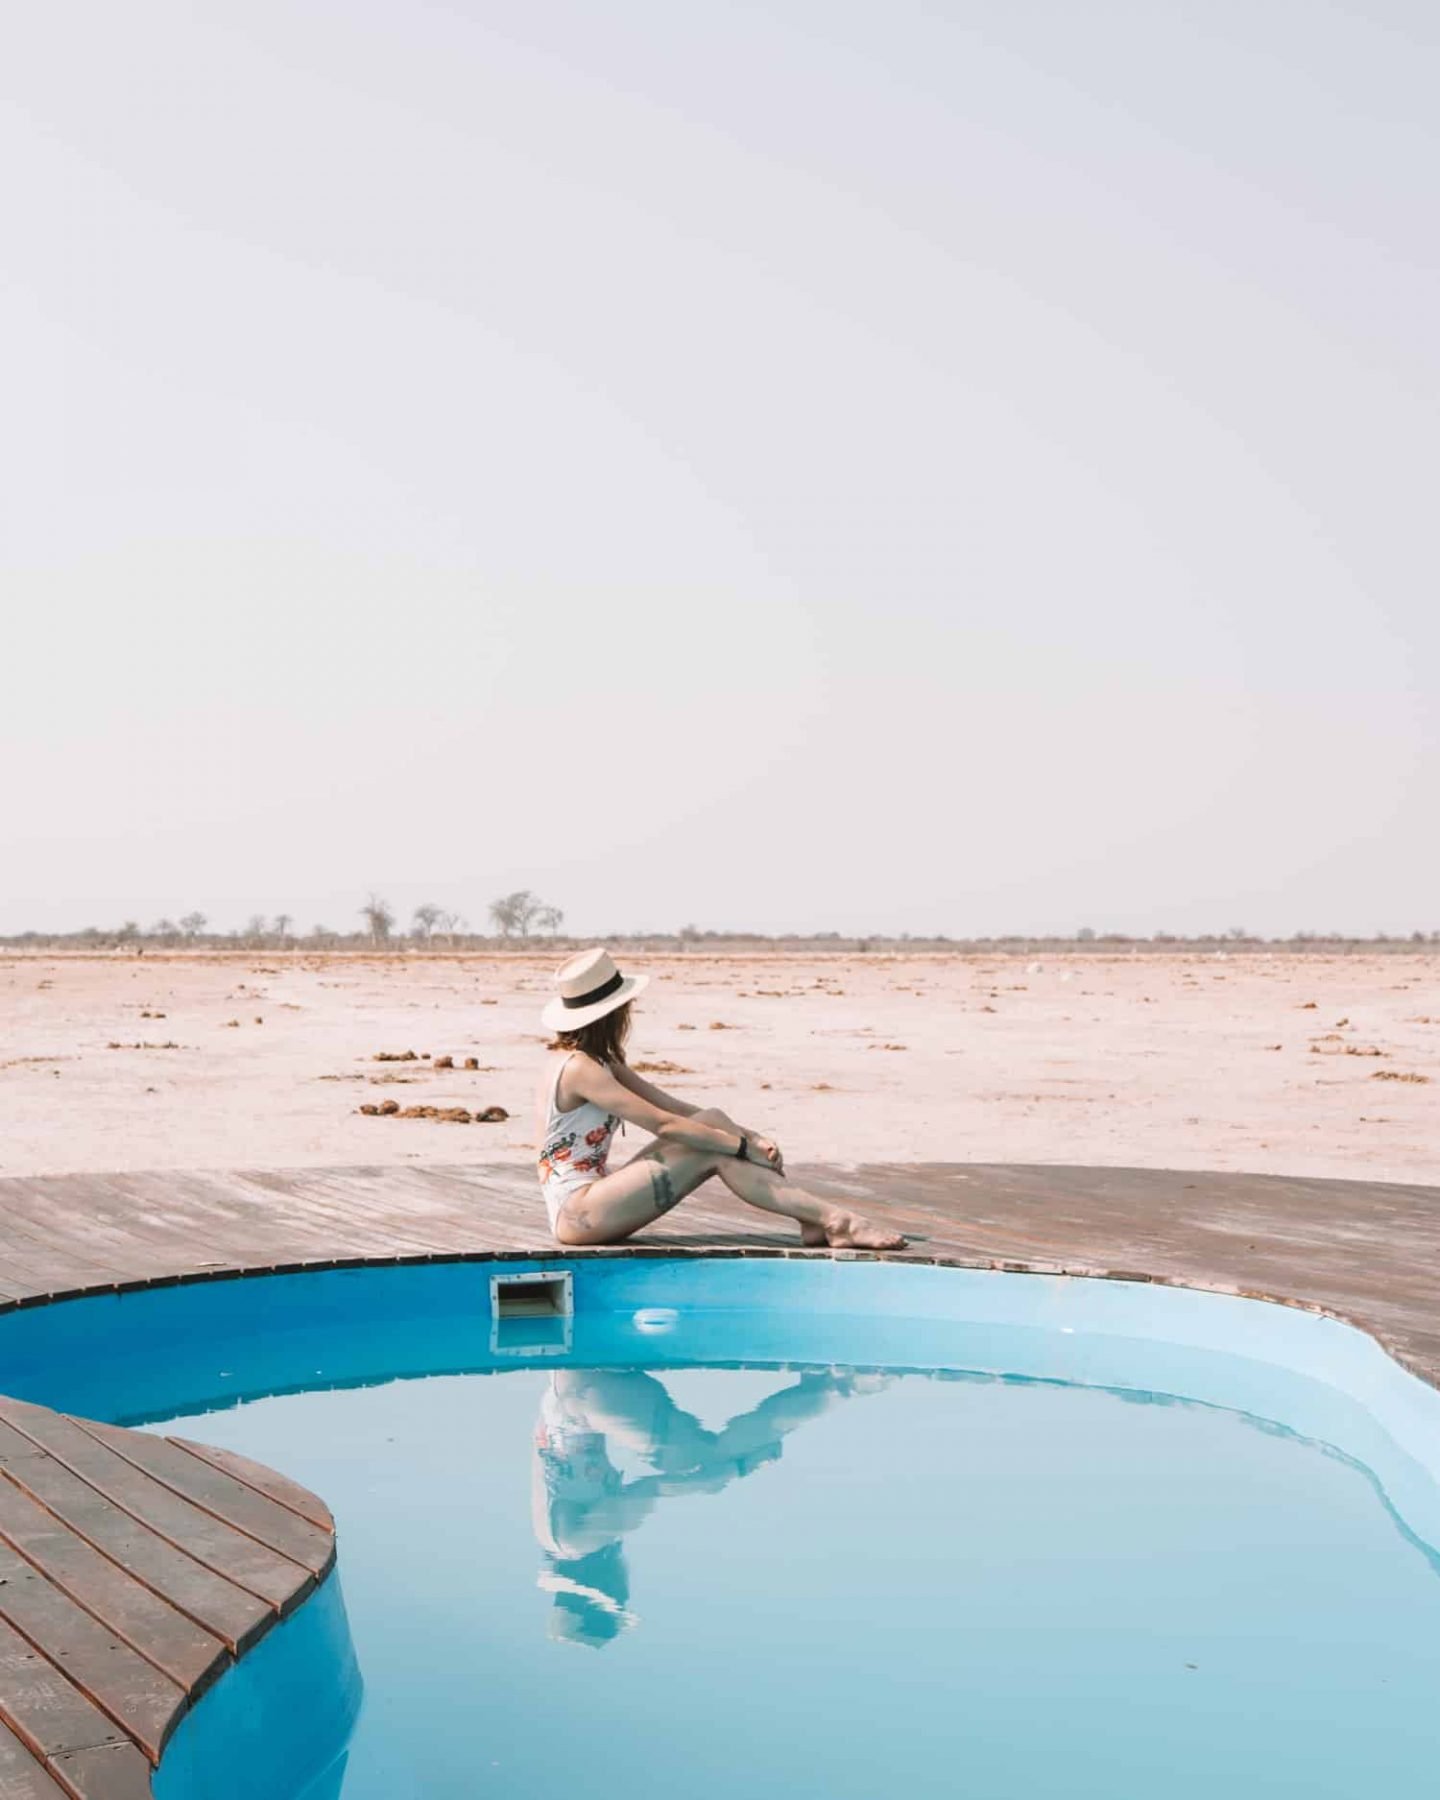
x=853, y=1231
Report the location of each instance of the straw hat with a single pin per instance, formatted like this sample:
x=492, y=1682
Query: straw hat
x=586, y=988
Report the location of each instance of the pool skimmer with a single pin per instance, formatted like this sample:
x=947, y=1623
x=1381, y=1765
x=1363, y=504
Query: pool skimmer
x=531, y=1313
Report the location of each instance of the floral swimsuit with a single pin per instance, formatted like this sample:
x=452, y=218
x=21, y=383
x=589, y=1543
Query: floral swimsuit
x=575, y=1148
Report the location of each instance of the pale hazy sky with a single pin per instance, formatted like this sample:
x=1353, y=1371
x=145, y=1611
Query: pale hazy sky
x=938, y=467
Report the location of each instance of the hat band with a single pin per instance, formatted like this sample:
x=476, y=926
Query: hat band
x=603, y=992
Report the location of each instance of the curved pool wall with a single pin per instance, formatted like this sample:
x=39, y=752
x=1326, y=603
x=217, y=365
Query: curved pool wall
x=196, y=1347
x=279, y=1723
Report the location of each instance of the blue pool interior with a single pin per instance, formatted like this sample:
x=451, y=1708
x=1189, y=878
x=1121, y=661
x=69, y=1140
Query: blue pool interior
x=801, y=1527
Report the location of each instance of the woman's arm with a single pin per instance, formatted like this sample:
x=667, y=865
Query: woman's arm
x=626, y=1076
x=761, y=1146
x=595, y=1082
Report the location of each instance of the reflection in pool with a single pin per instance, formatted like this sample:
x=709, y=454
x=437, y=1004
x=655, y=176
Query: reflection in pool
x=592, y=1422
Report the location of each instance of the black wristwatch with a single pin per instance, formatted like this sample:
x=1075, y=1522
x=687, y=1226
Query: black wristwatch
x=743, y=1153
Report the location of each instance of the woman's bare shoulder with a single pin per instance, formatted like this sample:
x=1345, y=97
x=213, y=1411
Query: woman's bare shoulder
x=585, y=1070
x=579, y=1077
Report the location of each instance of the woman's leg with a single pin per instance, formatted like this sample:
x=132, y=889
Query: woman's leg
x=820, y=1222
x=637, y=1194
x=658, y=1179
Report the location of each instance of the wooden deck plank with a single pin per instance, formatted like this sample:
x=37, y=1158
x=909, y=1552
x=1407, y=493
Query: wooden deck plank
x=191, y=1211
x=43, y=1268
x=224, y=1550
x=112, y=1675
x=231, y=1613
x=340, y=1217
x=278, y=1487
x=29, y=1209
x=111, y=1772
x=220, y=1495
x=44, y=1709
x=22, y=1776
x=137, y=1229
x=189, y=1655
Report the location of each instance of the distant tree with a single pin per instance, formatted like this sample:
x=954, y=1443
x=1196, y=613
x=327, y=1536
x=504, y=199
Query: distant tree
x=128, y=932
x=165, y=929
x=193, y=924
x=550, y=918
x=1085, y=935
x=379, y=917
x=257, y=929
x=516, y=913
x=322, y=934
x=424, y=921
x=283, y=922
x=453, y=925
x=1237, y=934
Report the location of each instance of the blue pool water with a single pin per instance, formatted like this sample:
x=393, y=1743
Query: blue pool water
x=975, y=1555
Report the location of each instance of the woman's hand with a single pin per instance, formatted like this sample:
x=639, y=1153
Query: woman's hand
x=762, y=1150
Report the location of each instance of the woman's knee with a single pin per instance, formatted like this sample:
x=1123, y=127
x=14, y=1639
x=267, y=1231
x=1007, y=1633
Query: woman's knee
x=712, y=1115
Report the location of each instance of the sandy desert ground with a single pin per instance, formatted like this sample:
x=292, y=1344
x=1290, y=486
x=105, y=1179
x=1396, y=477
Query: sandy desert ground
x=1303, y=1065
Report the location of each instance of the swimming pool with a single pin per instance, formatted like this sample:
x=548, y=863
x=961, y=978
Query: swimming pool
x=803, y=1526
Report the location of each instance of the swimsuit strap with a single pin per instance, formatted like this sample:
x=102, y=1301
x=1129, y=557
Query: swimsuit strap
x=555, y=1107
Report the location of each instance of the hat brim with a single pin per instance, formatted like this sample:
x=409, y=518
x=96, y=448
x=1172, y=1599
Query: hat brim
x=560, y=1017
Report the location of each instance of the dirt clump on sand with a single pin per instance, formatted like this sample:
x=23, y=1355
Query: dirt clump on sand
x=449, y=1115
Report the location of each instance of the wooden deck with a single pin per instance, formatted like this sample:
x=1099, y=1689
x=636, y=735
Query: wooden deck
x=134, y=1569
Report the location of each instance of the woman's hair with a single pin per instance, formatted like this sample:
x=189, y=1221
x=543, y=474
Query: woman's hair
x=603, y=1038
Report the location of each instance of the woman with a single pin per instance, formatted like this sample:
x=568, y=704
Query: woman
x=588, y=1088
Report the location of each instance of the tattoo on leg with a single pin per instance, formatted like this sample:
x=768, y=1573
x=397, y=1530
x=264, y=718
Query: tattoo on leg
x=666, y=1199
